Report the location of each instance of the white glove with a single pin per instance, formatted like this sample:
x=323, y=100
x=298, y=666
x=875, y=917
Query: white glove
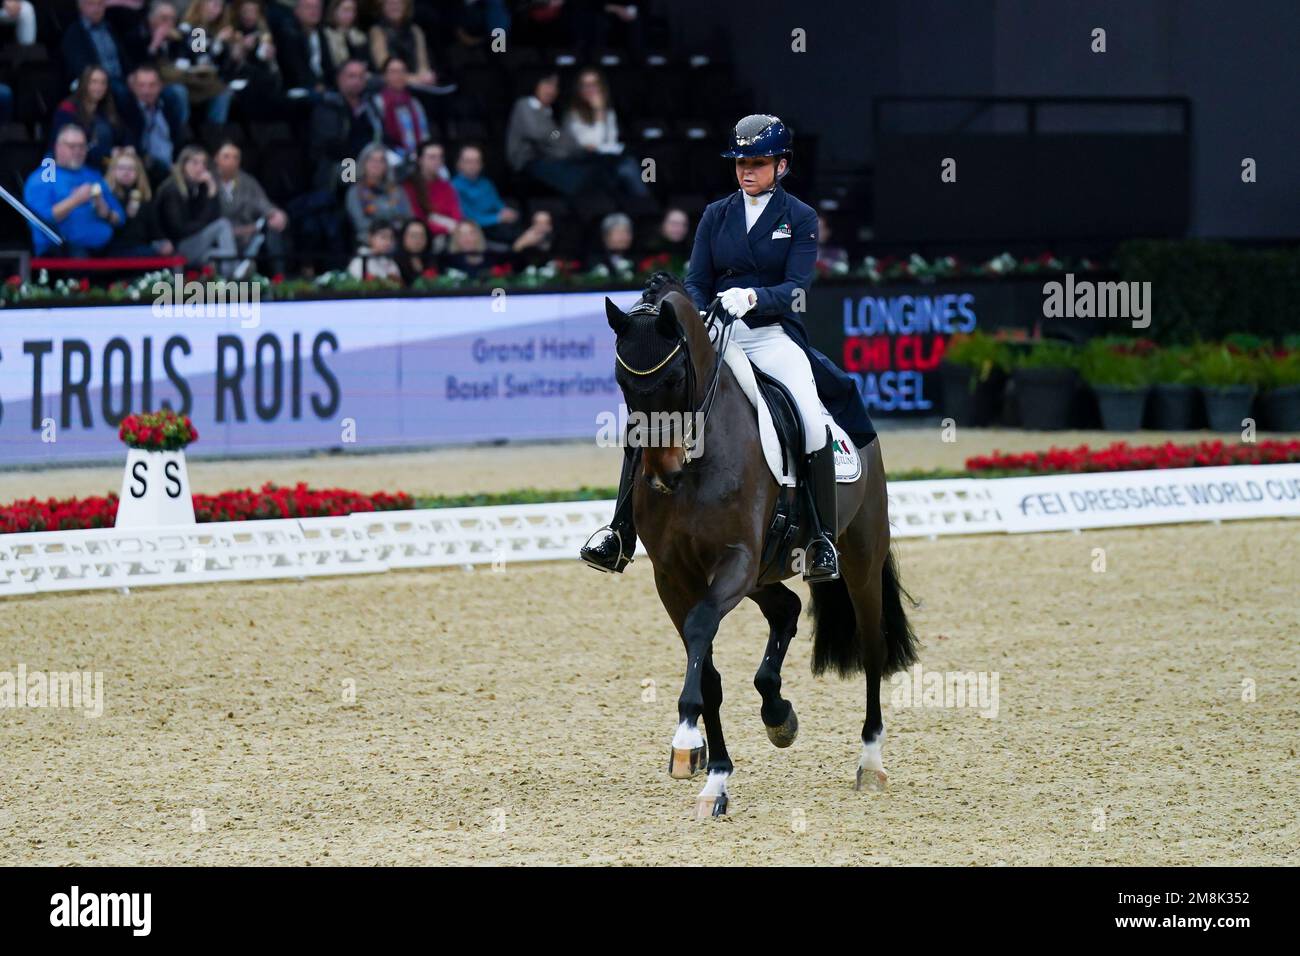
x=738, y=301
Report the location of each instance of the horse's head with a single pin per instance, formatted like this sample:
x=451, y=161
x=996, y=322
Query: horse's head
x=665, y=362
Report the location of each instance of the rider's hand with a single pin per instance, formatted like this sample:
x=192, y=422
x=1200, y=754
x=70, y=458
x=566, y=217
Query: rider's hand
x=738, y=301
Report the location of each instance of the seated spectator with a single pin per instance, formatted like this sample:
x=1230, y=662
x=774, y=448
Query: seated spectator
x=304, y=52
x=343, y=124
x=533, y=246
x=828, y=257
x=674, y=235
x=616, y=242
x=202, y=67
x=189, y=210
x=406, y=125
x=141, y=233
x=346, y=40
x=23, y=16
x=432, y=197
x=73, y=199
x=251, y=64
x=89, y=41
x=537, y=147
x=374, y=260
x=91, y=107
x=468, y=251
x=591, y=121
x=151, y=128
x=395, y=35
x=375, y=194
x=415, y=257
x=479, y=199
x=168, y=49
x=255, y=219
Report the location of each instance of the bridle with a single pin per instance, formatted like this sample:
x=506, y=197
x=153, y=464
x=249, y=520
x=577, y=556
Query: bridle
x=714, y=320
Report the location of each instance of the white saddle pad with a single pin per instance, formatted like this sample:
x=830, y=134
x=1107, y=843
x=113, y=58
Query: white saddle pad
x=848, y=464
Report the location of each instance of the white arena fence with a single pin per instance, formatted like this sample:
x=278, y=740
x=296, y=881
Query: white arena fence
x=373, y=542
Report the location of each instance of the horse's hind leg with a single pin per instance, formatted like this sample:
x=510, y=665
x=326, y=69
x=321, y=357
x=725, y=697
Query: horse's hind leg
x=862, y=560
x=781, y=607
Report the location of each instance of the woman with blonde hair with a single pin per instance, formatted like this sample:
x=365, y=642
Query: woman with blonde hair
x=345, y=39
x=189, y=210
x=395, y=35
x=140, y=233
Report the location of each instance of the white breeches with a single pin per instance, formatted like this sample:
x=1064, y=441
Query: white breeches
x=769, y=348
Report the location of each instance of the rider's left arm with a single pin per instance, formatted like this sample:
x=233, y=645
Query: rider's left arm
x=779, y=299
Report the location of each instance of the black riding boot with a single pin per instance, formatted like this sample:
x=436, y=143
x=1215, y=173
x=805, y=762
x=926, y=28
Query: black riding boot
x=611, y=548
x=821, y=563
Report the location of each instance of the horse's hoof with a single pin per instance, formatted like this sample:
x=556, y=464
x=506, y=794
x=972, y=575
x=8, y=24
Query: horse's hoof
x=685, y=763
x=714, y=806
x=784, y=733
x=874, y=779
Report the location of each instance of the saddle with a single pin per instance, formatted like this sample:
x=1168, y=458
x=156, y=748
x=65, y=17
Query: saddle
x=780, y=429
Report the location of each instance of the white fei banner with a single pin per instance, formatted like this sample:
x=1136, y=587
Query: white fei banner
x=1125, y=498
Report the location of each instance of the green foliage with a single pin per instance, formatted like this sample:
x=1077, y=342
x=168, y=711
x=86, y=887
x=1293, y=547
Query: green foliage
x=1049, y=353
x=1107, y=363
x=1172, y=366
x=1217, y=366
x=1211, y=290
x=978, y=351
x=1279, y=370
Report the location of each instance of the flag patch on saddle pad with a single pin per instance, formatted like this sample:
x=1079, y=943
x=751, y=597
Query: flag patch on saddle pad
x=848, y=464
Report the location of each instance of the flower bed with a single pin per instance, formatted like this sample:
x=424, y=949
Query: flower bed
x=1120, y=456
x=299, y=501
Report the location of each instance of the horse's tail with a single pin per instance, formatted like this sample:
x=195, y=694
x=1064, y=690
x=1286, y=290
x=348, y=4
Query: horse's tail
x=837, y=644
x=900, y=640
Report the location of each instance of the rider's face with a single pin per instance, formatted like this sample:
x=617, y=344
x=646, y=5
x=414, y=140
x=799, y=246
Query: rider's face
x=756, y=174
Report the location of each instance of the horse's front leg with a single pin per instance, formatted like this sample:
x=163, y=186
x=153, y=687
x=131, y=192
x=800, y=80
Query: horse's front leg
x=702, y=689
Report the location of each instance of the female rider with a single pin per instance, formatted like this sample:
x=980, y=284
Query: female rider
x=755, y=249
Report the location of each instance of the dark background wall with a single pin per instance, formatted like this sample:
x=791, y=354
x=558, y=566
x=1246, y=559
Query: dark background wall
x=1236, y=61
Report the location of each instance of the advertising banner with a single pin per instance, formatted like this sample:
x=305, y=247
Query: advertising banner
x=297, y=376
x=1125, y=498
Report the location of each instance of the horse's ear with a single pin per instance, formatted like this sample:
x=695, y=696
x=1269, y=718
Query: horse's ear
x=667, y=324
x=617, y=320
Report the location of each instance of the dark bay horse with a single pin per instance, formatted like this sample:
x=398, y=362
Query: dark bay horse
x=703, y=521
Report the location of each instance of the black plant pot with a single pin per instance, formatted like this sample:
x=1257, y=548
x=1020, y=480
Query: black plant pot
x=969, y=406
x=1121, y=408
x=1172, y=408
x=1225, y=407
x=1280, y=409
x=1045, y=397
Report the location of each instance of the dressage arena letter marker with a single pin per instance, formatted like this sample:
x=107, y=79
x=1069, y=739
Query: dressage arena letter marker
x=155, y=490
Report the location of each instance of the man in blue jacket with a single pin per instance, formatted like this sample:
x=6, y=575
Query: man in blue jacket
x=71, y=198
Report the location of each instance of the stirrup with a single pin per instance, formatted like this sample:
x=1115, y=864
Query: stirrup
x=611, y=564
x=816, y=575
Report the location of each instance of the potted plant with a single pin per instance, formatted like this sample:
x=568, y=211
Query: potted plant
x=1118, y=374
x=1045, y=380
x=1279, y=403
x=156, y=486
x=1173, y=405
x=972, y=377
x=1227, y=379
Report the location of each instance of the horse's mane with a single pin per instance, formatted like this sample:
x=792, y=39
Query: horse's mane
x=659, y=285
